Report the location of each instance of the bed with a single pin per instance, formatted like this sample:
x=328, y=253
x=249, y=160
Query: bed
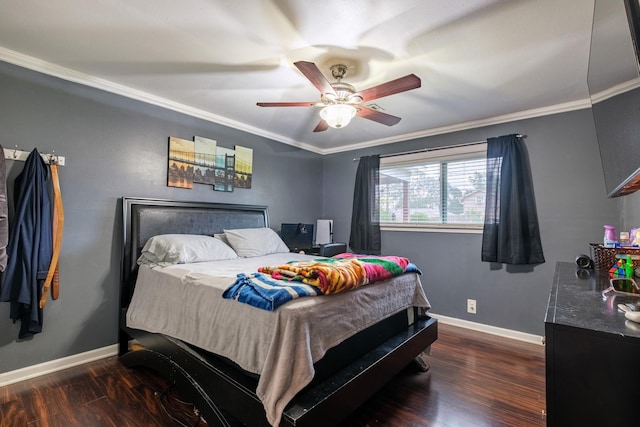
x=299, y=376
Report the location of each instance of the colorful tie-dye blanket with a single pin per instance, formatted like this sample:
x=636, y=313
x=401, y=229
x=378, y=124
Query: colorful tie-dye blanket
x=272, y=286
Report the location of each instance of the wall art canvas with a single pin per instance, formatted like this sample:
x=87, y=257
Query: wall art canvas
x=205, y=160
x=181, y=163
x=202, y=161
x=243, y=167
x=224, y=169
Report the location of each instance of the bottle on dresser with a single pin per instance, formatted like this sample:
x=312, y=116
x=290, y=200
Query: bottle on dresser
x=609, y=236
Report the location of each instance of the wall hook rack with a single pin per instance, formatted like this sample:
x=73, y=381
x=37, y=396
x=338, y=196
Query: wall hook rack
x=19, y=155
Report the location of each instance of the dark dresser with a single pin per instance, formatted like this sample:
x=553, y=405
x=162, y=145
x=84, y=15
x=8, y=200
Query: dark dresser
x=592, y=352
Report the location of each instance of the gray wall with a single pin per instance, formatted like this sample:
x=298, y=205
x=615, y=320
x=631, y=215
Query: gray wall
x=572, y=207
x=631, y=211
x=116, y=147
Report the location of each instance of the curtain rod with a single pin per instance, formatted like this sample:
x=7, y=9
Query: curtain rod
x=423, y=150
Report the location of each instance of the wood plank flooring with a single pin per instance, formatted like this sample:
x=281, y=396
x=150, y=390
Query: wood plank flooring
x=475, y=380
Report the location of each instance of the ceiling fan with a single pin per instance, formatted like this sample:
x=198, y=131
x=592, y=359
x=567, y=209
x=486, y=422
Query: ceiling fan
x=340, y=101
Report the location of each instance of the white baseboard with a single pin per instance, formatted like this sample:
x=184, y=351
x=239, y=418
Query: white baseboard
x=493, y=330
x=56, y=365
x=101, y=353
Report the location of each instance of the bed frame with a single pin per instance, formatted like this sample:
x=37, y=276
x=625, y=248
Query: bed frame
x=224, y=394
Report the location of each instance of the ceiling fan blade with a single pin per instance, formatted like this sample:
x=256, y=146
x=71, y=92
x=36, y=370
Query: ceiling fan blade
x=377, y=116
x=401, y=84
x=321, y=126
x=285, y=104
x=315, y=76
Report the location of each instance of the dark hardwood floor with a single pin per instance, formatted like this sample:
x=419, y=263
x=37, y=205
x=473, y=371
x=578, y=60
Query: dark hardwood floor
x=475, y=380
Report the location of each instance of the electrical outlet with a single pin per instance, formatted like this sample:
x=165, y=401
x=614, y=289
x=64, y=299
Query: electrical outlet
x=471, y=306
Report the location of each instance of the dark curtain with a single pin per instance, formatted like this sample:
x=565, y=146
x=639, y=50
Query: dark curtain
x=511, y=233
x=365, y=218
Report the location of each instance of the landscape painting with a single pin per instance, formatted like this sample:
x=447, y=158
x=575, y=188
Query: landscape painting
x=224, y=169
x=181, y=162
x=243, y=167
x=202, y=161
x=205, y=160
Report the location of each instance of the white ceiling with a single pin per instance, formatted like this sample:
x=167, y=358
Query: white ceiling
x=480, y=61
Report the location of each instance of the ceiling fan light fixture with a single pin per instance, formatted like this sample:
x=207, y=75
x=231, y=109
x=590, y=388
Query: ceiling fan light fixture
x=338, y=115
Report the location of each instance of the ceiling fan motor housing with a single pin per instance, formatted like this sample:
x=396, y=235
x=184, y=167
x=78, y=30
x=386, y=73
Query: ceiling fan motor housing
x=343, y=91
x=338, y=71
x=343, y=94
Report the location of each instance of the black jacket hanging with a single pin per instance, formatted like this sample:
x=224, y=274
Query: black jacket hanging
x=30, y=246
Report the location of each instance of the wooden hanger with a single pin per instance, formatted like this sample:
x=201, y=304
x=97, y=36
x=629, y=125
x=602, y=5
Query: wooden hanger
x=53, y=279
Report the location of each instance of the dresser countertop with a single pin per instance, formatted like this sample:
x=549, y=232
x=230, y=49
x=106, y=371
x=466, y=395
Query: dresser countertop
x=577, y=300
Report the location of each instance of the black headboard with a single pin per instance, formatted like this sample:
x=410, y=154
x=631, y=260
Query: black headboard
x=145, y=218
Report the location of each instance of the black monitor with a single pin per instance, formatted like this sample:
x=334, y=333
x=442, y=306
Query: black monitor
x=298, y=237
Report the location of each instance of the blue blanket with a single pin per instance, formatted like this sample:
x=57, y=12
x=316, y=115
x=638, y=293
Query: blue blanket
x=262, y=291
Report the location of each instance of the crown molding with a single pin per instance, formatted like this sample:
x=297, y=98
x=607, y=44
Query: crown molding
x=68, y=74
x=512, y=117
x=615, y=90
x=71, y=75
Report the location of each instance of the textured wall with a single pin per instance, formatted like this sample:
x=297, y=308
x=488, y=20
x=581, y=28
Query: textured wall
x=630, y=211
x=116, y=147
x=572, y=207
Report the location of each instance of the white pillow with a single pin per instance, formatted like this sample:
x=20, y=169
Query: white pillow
x=222, y=237
x=250, y=242
x=168, y=249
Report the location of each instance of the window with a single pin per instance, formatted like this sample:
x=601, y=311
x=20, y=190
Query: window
x=437, y=189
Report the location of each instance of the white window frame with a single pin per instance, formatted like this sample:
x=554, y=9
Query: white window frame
x=472, y=150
